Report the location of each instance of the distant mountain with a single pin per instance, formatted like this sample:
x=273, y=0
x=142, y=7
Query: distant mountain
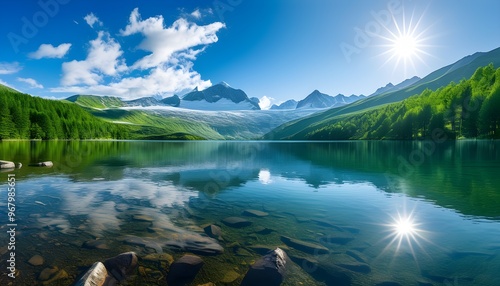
x=320, y=100
x=174, y=101
x=218, y=97
x=462, y=69
x=289, y=104
x=144, y=101
x=390, y=87
x=94, y=101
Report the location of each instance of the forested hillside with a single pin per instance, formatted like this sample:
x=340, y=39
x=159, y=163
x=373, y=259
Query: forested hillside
x=25, y=117
x=469, y=109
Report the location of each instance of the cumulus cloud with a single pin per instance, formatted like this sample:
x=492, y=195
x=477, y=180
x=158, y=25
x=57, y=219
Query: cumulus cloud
x=31, y=82
x=266, y=102
x=49, y=51
x=91, y=19
x=165, y=70
x=161, y=80
x=167, y=44
x=9, y=68
x=103, y=59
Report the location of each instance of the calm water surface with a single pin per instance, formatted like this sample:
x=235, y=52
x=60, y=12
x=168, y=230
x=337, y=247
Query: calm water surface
x=416, y=213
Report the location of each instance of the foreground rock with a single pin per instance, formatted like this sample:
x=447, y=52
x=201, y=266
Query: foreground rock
x=184, y=270
x=47, y=164
x=236, y=222
x=121, y=265
x=7, y=165
x=254, y=213
x=305, y=246
x=97, y=275
x=111, y=272
x=269, y=270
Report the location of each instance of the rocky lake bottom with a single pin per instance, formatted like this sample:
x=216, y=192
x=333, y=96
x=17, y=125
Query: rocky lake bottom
x=337, y=226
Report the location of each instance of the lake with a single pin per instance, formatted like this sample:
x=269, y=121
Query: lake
x=415, y=213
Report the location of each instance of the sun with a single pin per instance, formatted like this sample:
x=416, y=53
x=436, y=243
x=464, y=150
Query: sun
x=406, y=43
x=405, y=46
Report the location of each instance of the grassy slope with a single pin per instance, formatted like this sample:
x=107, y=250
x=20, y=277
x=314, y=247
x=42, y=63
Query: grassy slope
x=94, y=101
x=463, y=69
x=149, y=125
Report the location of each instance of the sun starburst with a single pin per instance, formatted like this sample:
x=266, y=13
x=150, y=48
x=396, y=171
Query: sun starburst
x=406, y=42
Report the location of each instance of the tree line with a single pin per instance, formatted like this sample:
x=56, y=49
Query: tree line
x=468, y=109
x=26, y=117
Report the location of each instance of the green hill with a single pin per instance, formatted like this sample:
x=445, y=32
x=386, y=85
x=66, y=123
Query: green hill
x=462, y=69
x=469, y=109
x=26, y=117
x=95, y=101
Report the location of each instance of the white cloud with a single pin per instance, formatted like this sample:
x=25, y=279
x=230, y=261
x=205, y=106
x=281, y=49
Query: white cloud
x=196, y=14
x=9, y=68
x=166, y=70
x=266, y=102
x=103, y=58
x=161, y=80
x=31, y=82
x=165, y=43
x=49, y=51
x=91, y=19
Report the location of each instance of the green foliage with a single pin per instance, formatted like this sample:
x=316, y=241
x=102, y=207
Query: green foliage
x=469, y=109
x=25, y=117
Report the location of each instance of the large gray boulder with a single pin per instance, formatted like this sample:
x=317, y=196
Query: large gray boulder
x=269, y=270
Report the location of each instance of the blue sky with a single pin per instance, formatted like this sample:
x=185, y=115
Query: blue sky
x=276, y=50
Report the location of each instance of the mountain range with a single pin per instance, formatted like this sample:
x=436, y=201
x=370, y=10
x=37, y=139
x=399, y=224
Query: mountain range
x=454, y=73
x=223, y=112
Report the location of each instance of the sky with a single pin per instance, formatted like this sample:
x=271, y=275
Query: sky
x=273, y=50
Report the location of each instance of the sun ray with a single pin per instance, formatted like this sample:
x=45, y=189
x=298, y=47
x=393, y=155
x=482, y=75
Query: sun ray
x=406, y=42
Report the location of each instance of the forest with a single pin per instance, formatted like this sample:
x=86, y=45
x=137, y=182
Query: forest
x=468, y=109
x=28, y=117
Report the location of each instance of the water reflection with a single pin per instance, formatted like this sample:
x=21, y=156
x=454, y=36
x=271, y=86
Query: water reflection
x=154, y=197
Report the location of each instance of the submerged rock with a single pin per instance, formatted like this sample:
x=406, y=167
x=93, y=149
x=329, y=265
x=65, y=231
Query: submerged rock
x=254, y=213
x=140, y=217
x=305, y=246
x=36, y=260
x=336, y=238
x=213, y=231
x=356, y=267
x=47, y=273
x=230, y=277
x=184, y=270
x=236, y=222
x=61, y=274
x=196, y=244
x=95, y=244
x=263, y=230
x=121, y=265
x=269, y=270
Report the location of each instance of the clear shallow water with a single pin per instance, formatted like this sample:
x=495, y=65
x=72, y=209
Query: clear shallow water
x=346, y=196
